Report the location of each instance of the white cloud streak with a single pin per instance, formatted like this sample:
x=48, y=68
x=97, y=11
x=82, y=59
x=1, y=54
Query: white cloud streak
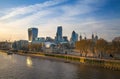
x=46, y=16
x=30, y=9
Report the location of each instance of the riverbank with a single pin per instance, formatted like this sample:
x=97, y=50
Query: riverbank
x=105, y=63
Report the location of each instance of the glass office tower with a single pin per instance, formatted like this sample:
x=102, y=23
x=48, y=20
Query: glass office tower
x=59, y=34
x=32, y=34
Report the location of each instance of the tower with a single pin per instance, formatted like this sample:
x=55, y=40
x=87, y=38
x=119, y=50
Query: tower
x=59, y=34
x=80, y=37
x=96, y=37
x=85, y=38
x=92, y=36
x=32, y=34
x=74, y=36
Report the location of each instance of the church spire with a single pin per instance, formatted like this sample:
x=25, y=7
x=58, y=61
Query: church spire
x=92, y=36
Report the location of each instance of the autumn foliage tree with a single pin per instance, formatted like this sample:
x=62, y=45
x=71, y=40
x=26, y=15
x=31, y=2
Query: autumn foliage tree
x=114, y=47
x=87, y=46
x=84, y=46
x=101, y=46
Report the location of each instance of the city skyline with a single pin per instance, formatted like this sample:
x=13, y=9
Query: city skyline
x=83, y=16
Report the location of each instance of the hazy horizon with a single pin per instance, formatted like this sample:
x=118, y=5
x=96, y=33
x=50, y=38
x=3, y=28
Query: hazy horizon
x=83, y=16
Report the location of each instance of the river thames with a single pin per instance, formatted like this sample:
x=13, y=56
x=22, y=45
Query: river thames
x=25, y=67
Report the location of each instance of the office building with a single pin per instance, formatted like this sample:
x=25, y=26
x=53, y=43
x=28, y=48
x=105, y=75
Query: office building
x=32, y=34
x=74, y=37
x=58, y=37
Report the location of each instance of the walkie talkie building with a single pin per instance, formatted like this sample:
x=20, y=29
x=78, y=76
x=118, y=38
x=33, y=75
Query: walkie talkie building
x=32, y=34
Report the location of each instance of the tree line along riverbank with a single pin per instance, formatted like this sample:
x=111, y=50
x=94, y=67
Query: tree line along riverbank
x=99, y=48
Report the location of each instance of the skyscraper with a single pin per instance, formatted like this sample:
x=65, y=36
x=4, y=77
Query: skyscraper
x=74, y=37
x=59, y=34
x=32, y=34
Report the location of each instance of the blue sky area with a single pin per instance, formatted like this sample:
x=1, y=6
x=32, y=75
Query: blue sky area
x=101, y=17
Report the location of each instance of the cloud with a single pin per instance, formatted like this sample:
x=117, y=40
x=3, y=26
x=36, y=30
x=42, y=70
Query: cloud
x=49, y=14
x=68, y=10
x=30, y=9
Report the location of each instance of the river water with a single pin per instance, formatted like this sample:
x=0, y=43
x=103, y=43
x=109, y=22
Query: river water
x=25, y=67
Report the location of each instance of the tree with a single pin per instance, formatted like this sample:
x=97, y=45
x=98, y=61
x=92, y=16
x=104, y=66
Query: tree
x=84, y=46
x=114, y=47
x=101, y=47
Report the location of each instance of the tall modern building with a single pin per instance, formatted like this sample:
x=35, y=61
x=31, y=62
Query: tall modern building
x=59, y=34
x=32, y=34
x=74, y=37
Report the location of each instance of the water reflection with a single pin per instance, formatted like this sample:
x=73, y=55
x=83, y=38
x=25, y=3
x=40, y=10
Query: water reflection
x=29, y=62
x=37, y=68
x=8, y=57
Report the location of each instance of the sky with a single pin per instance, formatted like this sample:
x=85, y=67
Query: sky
x=101, y=17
